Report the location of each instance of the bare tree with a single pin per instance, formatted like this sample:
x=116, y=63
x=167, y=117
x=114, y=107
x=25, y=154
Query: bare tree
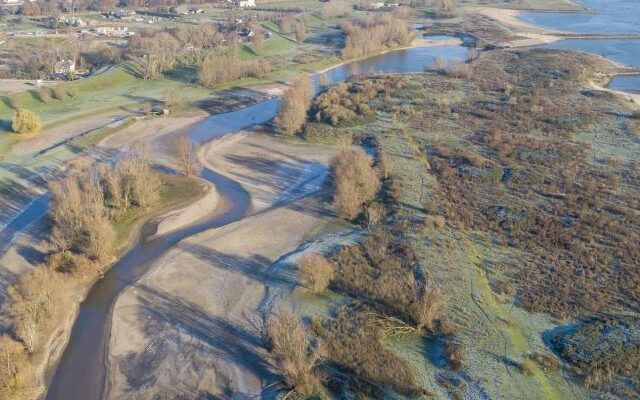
x=356, y=182
x=291, y=345
x=294, y=105
x=429, y=306
x=300, y=31
x=31, y=301
x=187, y=156
x=258, y=41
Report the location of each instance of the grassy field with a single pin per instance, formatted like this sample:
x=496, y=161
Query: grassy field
x=174, y=191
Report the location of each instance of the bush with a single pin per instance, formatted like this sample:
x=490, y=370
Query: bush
x=25, y=122
x=455, y=353
x=356, y=182
x=315, y=272
x=59, y=91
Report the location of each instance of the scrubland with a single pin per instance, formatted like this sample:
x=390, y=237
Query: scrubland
x=499, y=244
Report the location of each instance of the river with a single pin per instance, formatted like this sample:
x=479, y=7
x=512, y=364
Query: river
x=81, y=373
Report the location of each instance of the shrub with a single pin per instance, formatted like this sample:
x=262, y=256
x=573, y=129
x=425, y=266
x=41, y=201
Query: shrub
x=59, y=91
x=315, y=272
x=291, y=345
x=527, y=367
x=429, y=306
x=356, y=182
x=454, y=350
x=25, y=122
x=545, y=361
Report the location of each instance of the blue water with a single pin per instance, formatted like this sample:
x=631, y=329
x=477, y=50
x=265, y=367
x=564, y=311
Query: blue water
x=624, y=51
x=626, y=83
x=606, y=16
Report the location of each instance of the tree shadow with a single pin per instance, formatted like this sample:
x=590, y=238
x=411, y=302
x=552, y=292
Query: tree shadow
x=255, y=267
x=231, y=99
x=181, y=333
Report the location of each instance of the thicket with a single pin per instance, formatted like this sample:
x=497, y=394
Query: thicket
x=601, y=348
x=348, y=103
x=85, y=204
x=85, y=207
x=227, y=66
x=374, y=33
x=389, y=297
x=337, y=9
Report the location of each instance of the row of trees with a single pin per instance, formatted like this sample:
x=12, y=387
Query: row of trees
x=86, y=204
x=227, y=66
x=373, y=33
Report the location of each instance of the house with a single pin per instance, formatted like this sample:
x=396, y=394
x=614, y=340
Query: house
x=113, y=31
x=246, y=3
x=64, y=67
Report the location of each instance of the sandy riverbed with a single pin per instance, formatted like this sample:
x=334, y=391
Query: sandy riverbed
x=202, y=305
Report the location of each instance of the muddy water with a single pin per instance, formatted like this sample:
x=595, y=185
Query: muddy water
x=81, y=374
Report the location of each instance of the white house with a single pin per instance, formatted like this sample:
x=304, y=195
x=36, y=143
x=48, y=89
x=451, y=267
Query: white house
x=64, y=67
x=246, y=3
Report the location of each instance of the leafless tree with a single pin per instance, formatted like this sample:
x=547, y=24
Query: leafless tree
x=294, y=105
x=291, y=345
x=356, y=182
x=187, y=156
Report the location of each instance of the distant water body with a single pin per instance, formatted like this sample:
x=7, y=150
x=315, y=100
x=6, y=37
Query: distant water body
x=603, y=17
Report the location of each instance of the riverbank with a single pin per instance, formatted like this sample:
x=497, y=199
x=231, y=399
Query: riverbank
x=203, y=302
